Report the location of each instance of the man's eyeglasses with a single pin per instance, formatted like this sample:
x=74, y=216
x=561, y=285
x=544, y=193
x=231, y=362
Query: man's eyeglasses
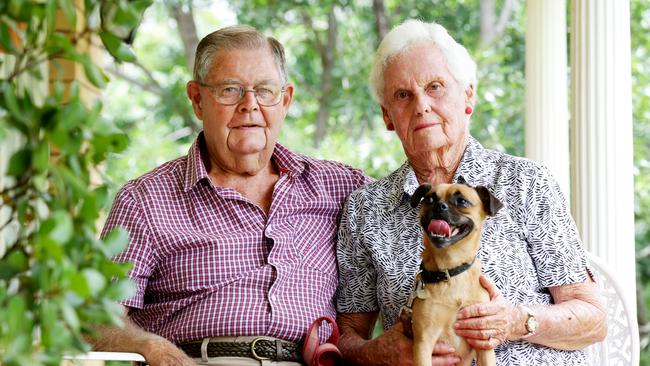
x=231, y=94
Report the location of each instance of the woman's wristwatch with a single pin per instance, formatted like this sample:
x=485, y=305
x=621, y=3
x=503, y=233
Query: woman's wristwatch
x=531, y=321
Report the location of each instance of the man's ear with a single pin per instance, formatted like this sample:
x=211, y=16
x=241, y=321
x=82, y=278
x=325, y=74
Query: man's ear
x=287, y=97
x=194, y=94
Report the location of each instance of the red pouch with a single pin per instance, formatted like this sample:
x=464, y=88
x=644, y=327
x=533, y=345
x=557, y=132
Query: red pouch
x=316, y=354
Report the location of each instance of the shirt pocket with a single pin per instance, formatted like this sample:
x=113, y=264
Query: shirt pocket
x=314, y=235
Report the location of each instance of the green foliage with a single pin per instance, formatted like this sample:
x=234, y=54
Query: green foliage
x=640, y=27
x=56, y=276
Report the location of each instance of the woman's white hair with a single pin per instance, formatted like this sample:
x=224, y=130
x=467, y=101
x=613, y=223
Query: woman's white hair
x=399, y=39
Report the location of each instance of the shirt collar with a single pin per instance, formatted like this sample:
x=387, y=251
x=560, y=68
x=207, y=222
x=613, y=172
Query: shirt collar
x=286, y=161
x=471, y=163
x=195, y=169
x=404, y=182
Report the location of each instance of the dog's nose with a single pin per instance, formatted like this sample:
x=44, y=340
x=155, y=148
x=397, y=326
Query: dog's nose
x=442, y=207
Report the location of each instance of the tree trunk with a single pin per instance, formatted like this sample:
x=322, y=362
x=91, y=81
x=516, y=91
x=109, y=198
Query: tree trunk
x=488, y=20
x=381, y=23
x=491, y=29
x=187, y=31
x=327, y=82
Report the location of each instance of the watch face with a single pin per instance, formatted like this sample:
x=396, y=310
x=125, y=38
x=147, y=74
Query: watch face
x=531, y=324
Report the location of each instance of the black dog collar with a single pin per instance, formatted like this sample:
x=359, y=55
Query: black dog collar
x=438, y=276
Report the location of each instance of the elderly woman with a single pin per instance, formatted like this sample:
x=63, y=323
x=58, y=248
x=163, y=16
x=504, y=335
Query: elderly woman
x=544, y=306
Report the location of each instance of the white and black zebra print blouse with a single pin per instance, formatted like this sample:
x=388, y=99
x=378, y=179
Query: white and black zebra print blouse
x=530, y=245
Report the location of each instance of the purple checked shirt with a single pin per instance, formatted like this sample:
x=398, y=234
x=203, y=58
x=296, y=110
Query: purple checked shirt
x=207, y=262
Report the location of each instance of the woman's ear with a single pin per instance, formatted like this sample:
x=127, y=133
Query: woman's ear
x=469, y=95
x=387, y=120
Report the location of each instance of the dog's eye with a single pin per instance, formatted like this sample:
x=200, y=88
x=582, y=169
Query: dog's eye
x=430, y=200
x=461, y=202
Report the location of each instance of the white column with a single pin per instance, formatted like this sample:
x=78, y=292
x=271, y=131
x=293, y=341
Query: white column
x=601, y=134
x=547, y=107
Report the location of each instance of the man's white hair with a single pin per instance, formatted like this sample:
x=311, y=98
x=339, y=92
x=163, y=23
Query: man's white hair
x=399, y=39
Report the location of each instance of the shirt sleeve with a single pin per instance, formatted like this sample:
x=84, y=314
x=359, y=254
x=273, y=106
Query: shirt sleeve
x=554, y=243
x=357, y=277
x=127, y=213
x=362, y=178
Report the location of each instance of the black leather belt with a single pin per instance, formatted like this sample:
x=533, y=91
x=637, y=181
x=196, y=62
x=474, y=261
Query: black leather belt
x=259, y=349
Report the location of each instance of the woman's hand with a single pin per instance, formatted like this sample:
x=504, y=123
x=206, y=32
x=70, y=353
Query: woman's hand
x=400, y=349
x=487, y=325
x=392, y=347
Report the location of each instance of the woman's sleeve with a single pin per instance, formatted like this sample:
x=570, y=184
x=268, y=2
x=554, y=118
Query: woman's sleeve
x=554, y=243
x=357, y=279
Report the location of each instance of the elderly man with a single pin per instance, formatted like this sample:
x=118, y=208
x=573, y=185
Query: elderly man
x=232, y=245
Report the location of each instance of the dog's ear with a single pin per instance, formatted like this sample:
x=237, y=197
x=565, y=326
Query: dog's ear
x=491, y=204
x=419, y=193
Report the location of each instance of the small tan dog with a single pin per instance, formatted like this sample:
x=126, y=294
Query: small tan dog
x=452, y=217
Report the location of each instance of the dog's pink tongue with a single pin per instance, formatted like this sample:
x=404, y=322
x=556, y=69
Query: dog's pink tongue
x=439, y=227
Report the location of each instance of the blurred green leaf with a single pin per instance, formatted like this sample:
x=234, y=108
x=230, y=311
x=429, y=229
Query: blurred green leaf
x=116, y=241
x=73, y=114
x=95, y=280
x=20, y=162
x=41, y=158
x=59, y=227
x=50, y=249
x=70, y=315
x=68, y=8
x=95, y=75
x=60, y=45
x=3, y=131
x=15, y=7
x=6, y=42
x=14, y=263
x=115, y=270
x=116, y=47
x=74, y=181
x=10, y=99
x=16, y=322
x=79, y=286
x=50, y=14
x=48, y=320
x=121, y=290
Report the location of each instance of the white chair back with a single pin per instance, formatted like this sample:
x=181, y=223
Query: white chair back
x=621, y=347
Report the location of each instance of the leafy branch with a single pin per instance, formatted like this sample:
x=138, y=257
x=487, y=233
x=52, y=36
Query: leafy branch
x=56, y=277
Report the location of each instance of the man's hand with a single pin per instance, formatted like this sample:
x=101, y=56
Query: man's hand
x=160, y=352
x=156, y=350
x=487, y=325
